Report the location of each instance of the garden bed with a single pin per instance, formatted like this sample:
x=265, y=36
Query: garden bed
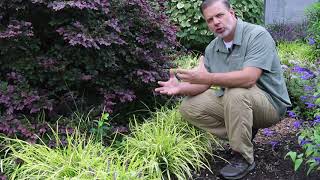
x=270, y=147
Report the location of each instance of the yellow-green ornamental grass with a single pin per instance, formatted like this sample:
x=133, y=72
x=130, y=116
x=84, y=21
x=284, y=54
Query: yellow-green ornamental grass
x=169, y=145
x=161, y=148
x=81, y=158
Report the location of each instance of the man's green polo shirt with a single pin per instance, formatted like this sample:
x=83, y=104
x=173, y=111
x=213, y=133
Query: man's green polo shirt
x=253, y=46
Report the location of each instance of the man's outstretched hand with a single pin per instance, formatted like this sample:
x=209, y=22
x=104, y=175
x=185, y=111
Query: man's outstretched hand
x=170, y=87
x=198, y=75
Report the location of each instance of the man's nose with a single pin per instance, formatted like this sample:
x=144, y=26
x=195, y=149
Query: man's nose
x=216, y=21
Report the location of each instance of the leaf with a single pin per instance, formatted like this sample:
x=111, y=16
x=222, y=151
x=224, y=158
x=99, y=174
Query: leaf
x=297, y=164
x=105, y=116
x=180, y=5
x=292, y=155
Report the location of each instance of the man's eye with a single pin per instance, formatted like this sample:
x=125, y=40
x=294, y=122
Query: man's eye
x=219, y=15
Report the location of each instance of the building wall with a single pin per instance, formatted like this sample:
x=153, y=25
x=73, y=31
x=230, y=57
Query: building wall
x=286, y=11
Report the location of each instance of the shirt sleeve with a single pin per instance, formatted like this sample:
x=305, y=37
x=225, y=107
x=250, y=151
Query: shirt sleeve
x=261, y=51
x=206, y=64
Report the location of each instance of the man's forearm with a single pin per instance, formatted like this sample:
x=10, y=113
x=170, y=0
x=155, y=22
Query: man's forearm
x=188, y=89
x=244, y=79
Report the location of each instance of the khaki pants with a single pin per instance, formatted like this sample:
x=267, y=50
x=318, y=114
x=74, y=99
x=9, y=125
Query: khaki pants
x=231, y=116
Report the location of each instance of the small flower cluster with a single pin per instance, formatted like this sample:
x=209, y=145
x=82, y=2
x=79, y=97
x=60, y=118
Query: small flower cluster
x=306, y=82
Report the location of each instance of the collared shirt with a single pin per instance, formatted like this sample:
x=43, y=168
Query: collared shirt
x=252, y=46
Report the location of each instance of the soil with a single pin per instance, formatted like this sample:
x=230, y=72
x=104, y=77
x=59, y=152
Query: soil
x=270, y=162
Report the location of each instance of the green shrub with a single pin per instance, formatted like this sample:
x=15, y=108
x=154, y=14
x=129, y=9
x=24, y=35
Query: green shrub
x=169, y=145
x=298, y=52
x=194, y=32
x=187, y=61
x=313, y=16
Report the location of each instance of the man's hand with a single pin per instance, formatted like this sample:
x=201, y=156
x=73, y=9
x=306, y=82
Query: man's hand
x=170, y=87
x=198, y=75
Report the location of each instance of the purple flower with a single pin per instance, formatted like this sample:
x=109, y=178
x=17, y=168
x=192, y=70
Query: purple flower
x=292, y=114
x=297, y=124
x=303, y=98
x=308, y=88
x=267, y=132
x=274, y=144
x=303, y=142
x=310, y=105
x=316, y=120
x=298, y=69
x=311, y=41
x=317, y=159
x=307, y=75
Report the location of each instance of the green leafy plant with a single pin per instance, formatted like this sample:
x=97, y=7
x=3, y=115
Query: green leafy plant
x=297, y=52
x=249, y=10
x=170, y=146
x=296, y=159
x=187, y=61
x=309, y=139
x=103, y=127
x=313, y=16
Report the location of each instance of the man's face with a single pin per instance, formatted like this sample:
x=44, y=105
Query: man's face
x=221, y=20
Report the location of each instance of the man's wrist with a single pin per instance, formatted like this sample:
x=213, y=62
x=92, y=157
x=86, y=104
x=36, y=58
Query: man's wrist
x=212, y=79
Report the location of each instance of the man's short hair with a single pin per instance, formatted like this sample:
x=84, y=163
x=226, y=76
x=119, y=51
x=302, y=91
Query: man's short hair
x=207, y=3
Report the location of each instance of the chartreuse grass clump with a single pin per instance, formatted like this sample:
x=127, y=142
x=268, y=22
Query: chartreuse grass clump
x=162, y=148
x=169, y=146
x=80, y=158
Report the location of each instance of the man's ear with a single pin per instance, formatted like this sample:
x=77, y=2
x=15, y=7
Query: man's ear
x=232, y=12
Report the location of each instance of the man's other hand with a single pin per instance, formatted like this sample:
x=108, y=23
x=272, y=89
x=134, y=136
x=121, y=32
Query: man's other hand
x=199, y=75
x=170, y=87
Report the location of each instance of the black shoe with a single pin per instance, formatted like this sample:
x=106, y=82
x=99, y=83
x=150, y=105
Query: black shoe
x=238, y=168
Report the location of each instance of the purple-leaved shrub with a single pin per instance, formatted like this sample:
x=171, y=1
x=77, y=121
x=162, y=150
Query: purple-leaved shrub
x=108, y=53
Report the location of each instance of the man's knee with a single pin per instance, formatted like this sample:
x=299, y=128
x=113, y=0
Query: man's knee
x=233, y=95
x=190, y=109
x=186, y=108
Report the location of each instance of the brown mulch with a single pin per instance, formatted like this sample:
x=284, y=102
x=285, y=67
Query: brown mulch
x=269, y=157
